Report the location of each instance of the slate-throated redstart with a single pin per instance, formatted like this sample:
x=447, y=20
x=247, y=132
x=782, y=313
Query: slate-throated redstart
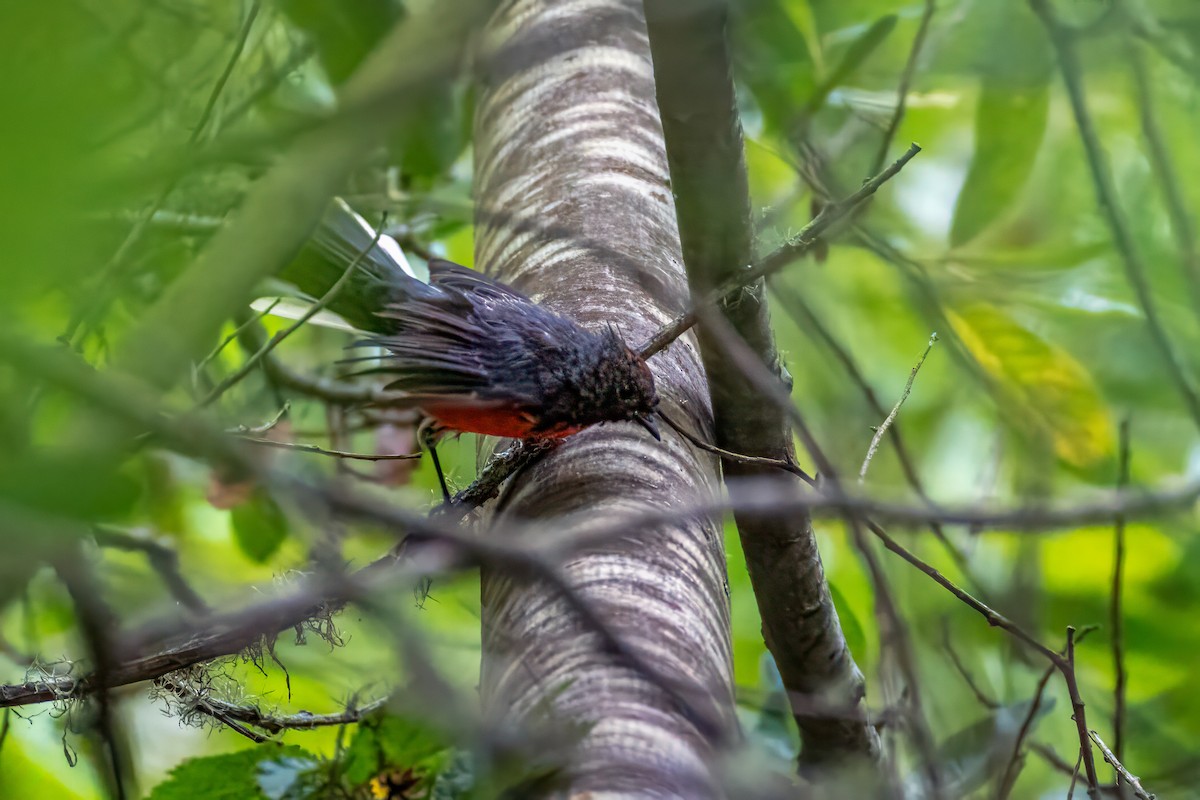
x=476, y=356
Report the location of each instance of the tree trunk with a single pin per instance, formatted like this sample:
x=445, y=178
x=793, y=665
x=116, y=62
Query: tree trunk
x=704, y=144
x=575, y=209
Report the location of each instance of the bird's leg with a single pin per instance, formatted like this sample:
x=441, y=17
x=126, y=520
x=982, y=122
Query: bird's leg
x=427, y=435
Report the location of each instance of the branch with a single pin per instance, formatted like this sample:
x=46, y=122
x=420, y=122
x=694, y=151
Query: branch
x=891, y=417
x=277, y=339
x=906, y=77
x=785, y=254
x=164, y=560
x=312, y=448
x=1106, y=193
x=703, y=136
x=1116, y=617
x=1125, y=774
x=811, y=324
x=1165, y=173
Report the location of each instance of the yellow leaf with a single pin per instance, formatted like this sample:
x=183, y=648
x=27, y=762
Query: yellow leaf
x=1043, y=382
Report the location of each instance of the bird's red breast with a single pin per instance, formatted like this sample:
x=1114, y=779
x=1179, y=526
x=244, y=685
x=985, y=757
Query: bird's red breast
x=491, y=420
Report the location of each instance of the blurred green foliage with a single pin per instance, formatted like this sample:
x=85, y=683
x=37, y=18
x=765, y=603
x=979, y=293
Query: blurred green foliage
x=122, y=147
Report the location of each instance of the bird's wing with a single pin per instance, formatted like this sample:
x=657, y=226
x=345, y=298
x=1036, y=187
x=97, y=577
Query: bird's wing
x=448, y=275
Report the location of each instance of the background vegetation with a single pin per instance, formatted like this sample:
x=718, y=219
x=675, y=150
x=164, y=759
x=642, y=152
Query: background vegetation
x=1067, y=345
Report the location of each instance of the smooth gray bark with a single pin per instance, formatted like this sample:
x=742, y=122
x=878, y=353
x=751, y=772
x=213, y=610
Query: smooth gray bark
x=575, y=210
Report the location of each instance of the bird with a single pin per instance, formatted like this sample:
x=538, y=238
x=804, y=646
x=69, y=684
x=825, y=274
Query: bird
x=475, y=355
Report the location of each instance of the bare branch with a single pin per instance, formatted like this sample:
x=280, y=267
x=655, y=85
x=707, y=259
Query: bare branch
x=887, y=423
x=786, y=253
x=902, y=89
x=312, y=448
x=164, y=560
x=1116, y=616
x=1125, y=774
x=277, y=339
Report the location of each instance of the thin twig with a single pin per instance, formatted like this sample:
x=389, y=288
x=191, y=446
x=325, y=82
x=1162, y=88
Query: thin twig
x=312, y=448
x=1085, y=746
x=228, y=713
x=499, y=468
x=116, y=265
x=219, y=87
x=811, y=324
x=776, y=260
x=695, y=441
x=964, y=673
x=906, y=77
x=1075, y=776
x=887, y=423
x=1116, y=617
x=312, y=311
x=204, y=705
x=163, y=559
x=1167, y=176
x=1116, y=764
x=1008, y=778
x=238, y=331
x=1106, y=192
x=259, y=430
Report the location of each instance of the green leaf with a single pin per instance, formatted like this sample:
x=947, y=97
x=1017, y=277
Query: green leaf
x=1010, y=122
x=1042, y=382
x=74, y=485
x=852, y=629
x=457, y=778
x=978, y=753
x=259, y=527
x=232, y=776
x=858, y=52
x=386, y=742
x=801, y=15
x=289, y=778
x=774, y=729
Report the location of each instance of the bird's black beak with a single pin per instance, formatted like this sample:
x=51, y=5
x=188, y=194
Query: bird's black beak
x=649, y=424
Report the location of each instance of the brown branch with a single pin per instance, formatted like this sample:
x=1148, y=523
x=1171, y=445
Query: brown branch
x=698, y=106
x=906, y=78
x=164, y=560
x=785, y=254
x=895, y=632
x=238, y=716
x=1067, y=668
x=964, y=673
x=785, y=464
x=1074, y=776
x=1008, y=778
x=312, y=448
x=1116, y=617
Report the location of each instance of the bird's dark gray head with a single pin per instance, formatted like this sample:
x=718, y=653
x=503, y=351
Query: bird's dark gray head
x=624, y=386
